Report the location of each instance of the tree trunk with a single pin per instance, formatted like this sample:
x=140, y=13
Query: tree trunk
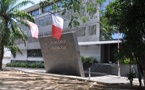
x=1, y=55
x=140, y=71
x=142, y=61
x=131, y=82
x=144, y=76
x=139, y=74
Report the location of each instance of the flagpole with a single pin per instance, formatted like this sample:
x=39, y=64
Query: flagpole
x=118, y=54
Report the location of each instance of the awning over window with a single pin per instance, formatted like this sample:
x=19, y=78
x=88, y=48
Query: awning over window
x=98, y=42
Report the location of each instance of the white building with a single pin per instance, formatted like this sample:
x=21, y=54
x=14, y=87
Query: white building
x=7, y=56
x=88, y=37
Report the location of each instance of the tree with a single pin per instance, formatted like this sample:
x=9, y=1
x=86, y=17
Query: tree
x=128, y=17
x=81, y=10
x=106, y=29
x=10, y=17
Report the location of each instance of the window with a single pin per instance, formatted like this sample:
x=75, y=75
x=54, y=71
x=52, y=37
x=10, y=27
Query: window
x=41, y=22
x=47, y=8
x=92, y=30
x=45, y=21
x=35, y=12
x=34, y=53
x=80, y=32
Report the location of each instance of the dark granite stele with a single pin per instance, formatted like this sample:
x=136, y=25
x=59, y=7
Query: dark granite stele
x=62, y=56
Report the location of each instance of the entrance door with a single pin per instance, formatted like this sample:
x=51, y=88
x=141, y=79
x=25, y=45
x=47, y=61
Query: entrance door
x=105, y=56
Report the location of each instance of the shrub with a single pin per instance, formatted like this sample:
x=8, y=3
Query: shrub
x=83, y=59
x=128, y=61
x=88, y=59
x=131, y=76
x=32, y=65
x=26, y=64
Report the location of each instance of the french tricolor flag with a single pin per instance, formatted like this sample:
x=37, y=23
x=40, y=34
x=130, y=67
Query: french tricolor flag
x=57, y=26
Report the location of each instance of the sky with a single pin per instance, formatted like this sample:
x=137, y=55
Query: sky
x=104, y=4
x=29, y=5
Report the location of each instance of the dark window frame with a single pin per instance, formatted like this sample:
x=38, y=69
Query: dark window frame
x=92, y=30
x=34, y=53
x=35, y=12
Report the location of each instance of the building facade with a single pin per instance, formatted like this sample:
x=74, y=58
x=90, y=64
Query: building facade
x=87, y=34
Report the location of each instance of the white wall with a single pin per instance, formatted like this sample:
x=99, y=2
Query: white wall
x=92, y=50
x=20, y=57
x=6, y=60
x=34, y=45
x=7, y=56
x=35, y=59
x=22, y=46
x=24, y=57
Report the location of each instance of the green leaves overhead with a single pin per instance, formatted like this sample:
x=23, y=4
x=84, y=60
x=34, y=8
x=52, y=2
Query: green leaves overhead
x=14, y=5
x=18, y=15
x=74, y=22
x=84, y=19
x=79, y=9
x=91, y=7
x=106, y=29
x=100, y=1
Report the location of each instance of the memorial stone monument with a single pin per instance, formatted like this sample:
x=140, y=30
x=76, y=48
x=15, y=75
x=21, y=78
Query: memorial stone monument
x=62, y=56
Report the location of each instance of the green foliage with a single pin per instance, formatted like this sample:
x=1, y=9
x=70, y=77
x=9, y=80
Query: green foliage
x=26, y=64
x=124, y=57
x=11, y=17
x=77, y=9
x=88, y=59
x=131, y=75
x=129, y=19
x=106, y=29
x=128, y=61
x=84, y=19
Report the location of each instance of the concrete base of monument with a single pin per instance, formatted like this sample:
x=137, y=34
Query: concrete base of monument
x=62, y=56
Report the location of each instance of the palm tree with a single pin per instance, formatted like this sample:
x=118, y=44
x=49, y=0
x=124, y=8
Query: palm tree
x=106, y=29
x=10, y=18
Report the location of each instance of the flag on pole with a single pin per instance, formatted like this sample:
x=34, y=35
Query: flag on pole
x=57, y=26
x=33, y=29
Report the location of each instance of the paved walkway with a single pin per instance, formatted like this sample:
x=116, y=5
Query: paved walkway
x=112, y=79
x=106, y=79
